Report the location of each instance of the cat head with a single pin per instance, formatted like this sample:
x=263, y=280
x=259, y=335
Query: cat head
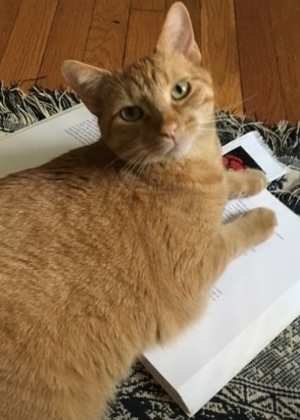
x=158, y=108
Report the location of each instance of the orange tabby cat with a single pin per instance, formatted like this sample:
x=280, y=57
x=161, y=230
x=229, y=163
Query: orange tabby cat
x=114, y=247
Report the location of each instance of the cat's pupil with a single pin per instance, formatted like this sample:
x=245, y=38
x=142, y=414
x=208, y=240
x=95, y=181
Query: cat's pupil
x=179, y=89
x=131, y=112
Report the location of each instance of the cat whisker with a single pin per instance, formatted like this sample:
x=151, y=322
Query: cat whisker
x=134, y=162
x=129, y=164
x=135, y=165
x=232, y=107
x=142, y=166
x=111, y=163
x=207, y=131
x=218, y=130
x=124, y=156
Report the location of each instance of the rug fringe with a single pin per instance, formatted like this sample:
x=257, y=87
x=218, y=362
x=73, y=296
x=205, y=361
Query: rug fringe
x=282, y=138
x=19, y=109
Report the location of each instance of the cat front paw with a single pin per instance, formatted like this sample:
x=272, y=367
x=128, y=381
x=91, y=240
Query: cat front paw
x=256, y=182
x=245, y=183
x=262, y=223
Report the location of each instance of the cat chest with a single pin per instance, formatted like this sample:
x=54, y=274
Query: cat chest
x=172, y=222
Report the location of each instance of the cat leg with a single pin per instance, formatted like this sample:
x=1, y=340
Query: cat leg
x=236, y=237
x=232, y=240
x=245, y=183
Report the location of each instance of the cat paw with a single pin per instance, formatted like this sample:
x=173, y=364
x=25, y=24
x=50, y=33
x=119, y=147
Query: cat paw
x=256, y=182
x=245, y=183
x=262, y=223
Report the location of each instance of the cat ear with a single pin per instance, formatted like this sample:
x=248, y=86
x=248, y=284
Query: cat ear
x=85, y=80
x=177, y=34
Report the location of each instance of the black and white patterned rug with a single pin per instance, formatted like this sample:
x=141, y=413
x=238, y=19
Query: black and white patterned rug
x=269, y=387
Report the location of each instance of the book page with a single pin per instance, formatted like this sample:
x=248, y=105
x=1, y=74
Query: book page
x=248, y=287
x=43, y=141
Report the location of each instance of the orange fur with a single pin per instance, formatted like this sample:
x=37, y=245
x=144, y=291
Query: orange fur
x=114, y=247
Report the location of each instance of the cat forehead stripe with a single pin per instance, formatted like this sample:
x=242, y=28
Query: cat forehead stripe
x=147, y=71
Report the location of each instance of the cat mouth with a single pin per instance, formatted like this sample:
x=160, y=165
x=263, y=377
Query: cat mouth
x=178, y=148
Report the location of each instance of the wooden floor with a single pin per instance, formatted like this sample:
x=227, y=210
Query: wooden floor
x=252, y=47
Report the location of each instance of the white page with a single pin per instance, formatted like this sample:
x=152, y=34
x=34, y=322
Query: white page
x=208, y=381
x=43, y=141
x=249, y=286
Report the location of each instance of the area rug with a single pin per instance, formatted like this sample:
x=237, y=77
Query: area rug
x=269, y=387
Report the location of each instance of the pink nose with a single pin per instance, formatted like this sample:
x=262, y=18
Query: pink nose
x=168, y=129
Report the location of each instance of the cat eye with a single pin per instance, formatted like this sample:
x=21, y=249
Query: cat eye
x=131, y=113
x=180, y=90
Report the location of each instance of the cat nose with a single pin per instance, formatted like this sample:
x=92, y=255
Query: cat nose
x=168, y=129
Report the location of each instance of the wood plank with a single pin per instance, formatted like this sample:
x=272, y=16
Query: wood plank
x=145, y=27
x=106, y=40
x=259, y=72
x=24, y=51
x=285, y=30
x=143, y=32
x=61, y=43
x=9, y=12
x=220, y=52
x=193, y=7
x=154, y=5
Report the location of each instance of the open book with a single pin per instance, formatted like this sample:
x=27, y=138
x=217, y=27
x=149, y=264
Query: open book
x=255, y=299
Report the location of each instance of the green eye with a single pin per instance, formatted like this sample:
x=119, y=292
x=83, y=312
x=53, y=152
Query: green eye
x=180, y=90
x=131, y=113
